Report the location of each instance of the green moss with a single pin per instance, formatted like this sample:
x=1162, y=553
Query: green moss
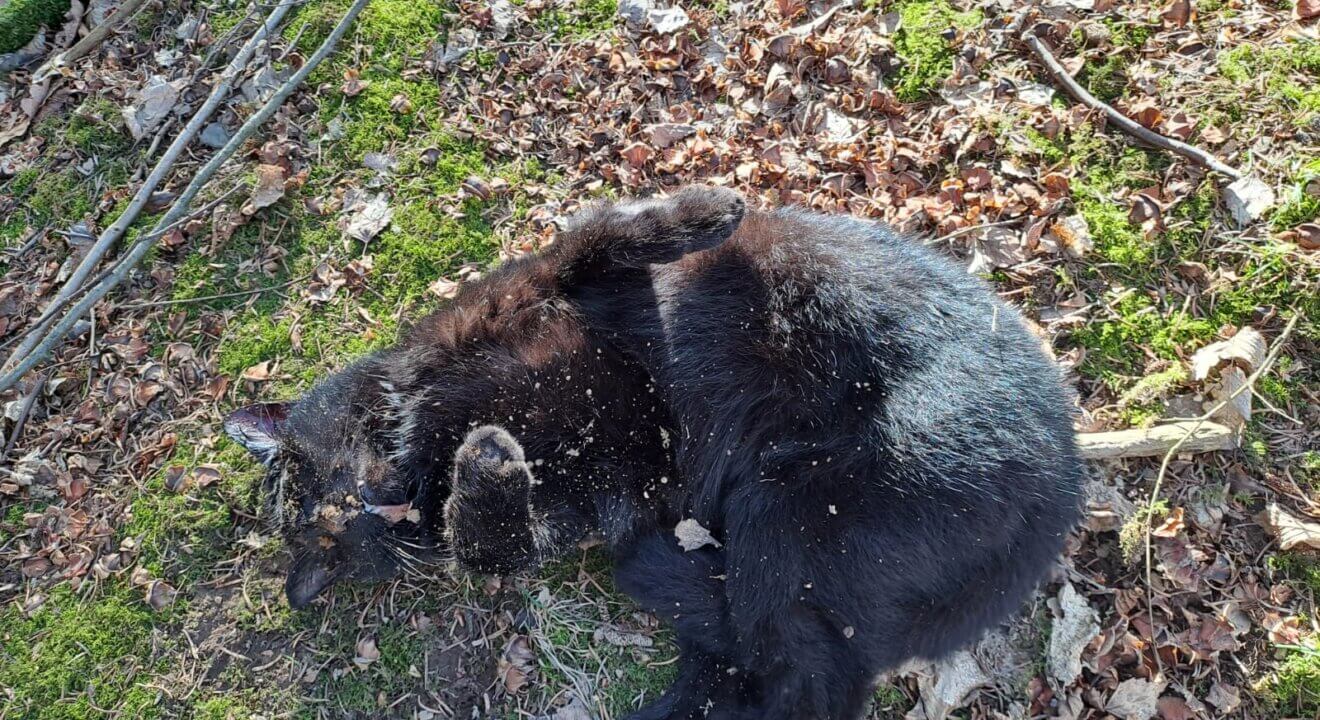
x=96, y=128
x=1114, y=347
x=1293, y=689
x=180, y=534
x=78, y=659
x=1106, y=80
x=586, y=18
x=1289, y=74
x=927, y=56
x=1304, y=570
x=1298, y=206
x=1132, y=536
x=1127, y=34
x=61, y=197
x=20, y=20
x=1141, y=400
x=258, y=338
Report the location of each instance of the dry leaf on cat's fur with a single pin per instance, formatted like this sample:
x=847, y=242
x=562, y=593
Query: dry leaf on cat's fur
x=691, y=535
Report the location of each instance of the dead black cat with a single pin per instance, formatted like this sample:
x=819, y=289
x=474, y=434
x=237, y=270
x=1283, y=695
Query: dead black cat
x=880, y=446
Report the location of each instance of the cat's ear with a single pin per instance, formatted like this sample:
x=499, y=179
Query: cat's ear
x=257, y=428
x=309, y=576
x=656, y=231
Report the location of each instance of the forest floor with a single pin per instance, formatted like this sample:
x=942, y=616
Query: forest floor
x=136, y=579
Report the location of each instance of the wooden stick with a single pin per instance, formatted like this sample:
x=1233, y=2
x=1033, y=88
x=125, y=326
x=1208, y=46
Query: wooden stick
x=91, y=40
x=180, y=208
x=1153, y=441
x=1124, y=123
x=117, y=229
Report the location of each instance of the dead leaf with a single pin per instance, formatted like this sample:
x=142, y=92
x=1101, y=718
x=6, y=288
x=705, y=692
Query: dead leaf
x=1172, y=525
x=174, y=478
x=444, y=288
x=160, y=595
x=619, y=638
x=1135, y=699
x=1291, y=530
x=369, y=218
x=1307, y=9
x=1224, y=697
x=1247, y=348
x=1073, y=235
x=268, y=190
x=152, y=104
x=365, y=652
x=206, y=475
x=517, y=664
x=1172, y=707
x=691, y=535
x=1247, y=199
x=1070, y=635
x=946, y=686
x=1178, y=13
x=257, y=373
x=353, y=83
x=1308, y=236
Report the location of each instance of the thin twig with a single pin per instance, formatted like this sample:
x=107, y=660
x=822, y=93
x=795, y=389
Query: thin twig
x=180, y=208
x=970, y=229
x=1168, y=457
x=23, y=412
x=140, y=199
x=1124, y=123
x=125, y=10
x=221, y=296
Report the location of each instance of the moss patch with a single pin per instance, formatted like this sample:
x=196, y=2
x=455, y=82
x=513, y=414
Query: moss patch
x=1293, y=690
x=76, y=659
x=20, y=20
x=921, y=44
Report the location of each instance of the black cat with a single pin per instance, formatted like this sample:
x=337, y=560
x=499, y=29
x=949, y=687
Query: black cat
x=882, y=449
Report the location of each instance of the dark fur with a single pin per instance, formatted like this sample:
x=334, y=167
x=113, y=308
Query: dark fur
x=881, y=447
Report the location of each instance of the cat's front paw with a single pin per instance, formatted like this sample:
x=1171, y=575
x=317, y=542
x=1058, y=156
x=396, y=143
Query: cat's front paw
x=488, y=517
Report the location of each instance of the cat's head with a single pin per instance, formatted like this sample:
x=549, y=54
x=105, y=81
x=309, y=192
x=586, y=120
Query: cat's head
x=344, y=508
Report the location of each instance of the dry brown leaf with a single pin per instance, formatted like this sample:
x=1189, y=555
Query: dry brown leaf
x=160, y=595
x=1247, y=348
x=365, y=652
x=258, y=373
x=1172, y=525
x=1178, y=13
x=691, y=535
x=1307, y=9
x=269, y=188
x=1070, y=635
x=1291, y=530
x=517, y=664
x=353, y=83
x=1135, y=699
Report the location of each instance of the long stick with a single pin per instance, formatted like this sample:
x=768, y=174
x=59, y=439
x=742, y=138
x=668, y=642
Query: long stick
x=180, y=208
x=116, y=230
x=1189, y=435
x=1126, y=124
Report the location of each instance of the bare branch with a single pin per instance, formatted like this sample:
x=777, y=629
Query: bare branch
x=180, y=208
x=1124, y=123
